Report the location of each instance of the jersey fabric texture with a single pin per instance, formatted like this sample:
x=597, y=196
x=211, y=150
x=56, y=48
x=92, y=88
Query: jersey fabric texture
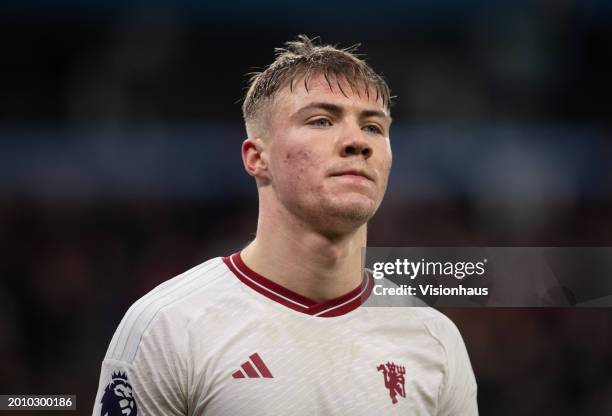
x=222, y=340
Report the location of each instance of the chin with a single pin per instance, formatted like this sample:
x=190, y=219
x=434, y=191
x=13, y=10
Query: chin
x=355, y=212
x=338, y=214
x=338, y=220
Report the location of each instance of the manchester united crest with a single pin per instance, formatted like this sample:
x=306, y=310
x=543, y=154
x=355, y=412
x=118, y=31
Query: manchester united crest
x=394, y=380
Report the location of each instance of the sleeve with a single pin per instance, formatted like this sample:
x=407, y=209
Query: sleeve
x=458, y=391
x=147, y=379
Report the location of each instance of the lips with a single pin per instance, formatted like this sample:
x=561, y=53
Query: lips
x=354, y=172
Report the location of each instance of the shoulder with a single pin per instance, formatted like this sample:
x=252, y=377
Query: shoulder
x=412, y=309
x=438, y=325
x=423, y=321
x=458, y=368
x=169, y=306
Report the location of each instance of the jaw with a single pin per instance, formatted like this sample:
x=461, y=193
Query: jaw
x=328, y=206
x=341, y=214
x=352, y=199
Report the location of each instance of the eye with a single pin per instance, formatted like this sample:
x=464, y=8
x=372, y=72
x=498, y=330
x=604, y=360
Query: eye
x=320, y=122
x=373, y=128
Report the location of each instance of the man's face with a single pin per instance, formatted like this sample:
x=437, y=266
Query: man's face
x=329, y=155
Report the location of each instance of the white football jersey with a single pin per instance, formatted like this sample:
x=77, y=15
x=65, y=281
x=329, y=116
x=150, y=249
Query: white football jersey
x=222, y=340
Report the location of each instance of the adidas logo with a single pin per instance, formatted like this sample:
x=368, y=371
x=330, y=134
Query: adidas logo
x=254, y=368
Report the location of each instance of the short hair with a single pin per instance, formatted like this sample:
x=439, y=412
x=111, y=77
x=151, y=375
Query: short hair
x=302, y=58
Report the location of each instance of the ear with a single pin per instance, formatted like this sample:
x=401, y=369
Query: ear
x=253, y=157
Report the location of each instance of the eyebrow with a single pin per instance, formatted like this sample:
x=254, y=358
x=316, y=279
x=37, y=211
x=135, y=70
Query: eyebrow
x=338, y=110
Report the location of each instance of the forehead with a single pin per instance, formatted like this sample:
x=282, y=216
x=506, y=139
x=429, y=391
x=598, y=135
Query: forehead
x=317, y=88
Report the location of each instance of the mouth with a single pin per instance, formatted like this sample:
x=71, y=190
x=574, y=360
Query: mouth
x=354, y=173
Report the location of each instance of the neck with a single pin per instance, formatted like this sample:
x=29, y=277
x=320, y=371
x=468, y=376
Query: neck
x=315, y=265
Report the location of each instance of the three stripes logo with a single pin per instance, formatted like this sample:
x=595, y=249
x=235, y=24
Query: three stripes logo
x=254, y=368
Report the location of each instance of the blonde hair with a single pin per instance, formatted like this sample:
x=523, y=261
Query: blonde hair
x=302, y=59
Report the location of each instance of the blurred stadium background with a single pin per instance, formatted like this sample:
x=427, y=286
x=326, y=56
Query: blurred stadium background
x=120, y=132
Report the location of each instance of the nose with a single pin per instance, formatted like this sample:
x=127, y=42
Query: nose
x=354, y=144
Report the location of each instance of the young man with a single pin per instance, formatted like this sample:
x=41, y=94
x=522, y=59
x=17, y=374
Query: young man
x=277, y=328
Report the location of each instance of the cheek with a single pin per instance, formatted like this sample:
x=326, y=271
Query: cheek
x=388, y=166
x=383, y=161
x=300, y=161
x=388, y=159
x=300, y=169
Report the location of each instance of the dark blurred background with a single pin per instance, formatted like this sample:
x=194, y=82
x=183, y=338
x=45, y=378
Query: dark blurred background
x=120, y=133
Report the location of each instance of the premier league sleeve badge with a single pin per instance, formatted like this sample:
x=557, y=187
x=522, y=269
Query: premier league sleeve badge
x=118, y=399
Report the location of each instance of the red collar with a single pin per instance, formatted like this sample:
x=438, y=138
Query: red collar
x=334, y=307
